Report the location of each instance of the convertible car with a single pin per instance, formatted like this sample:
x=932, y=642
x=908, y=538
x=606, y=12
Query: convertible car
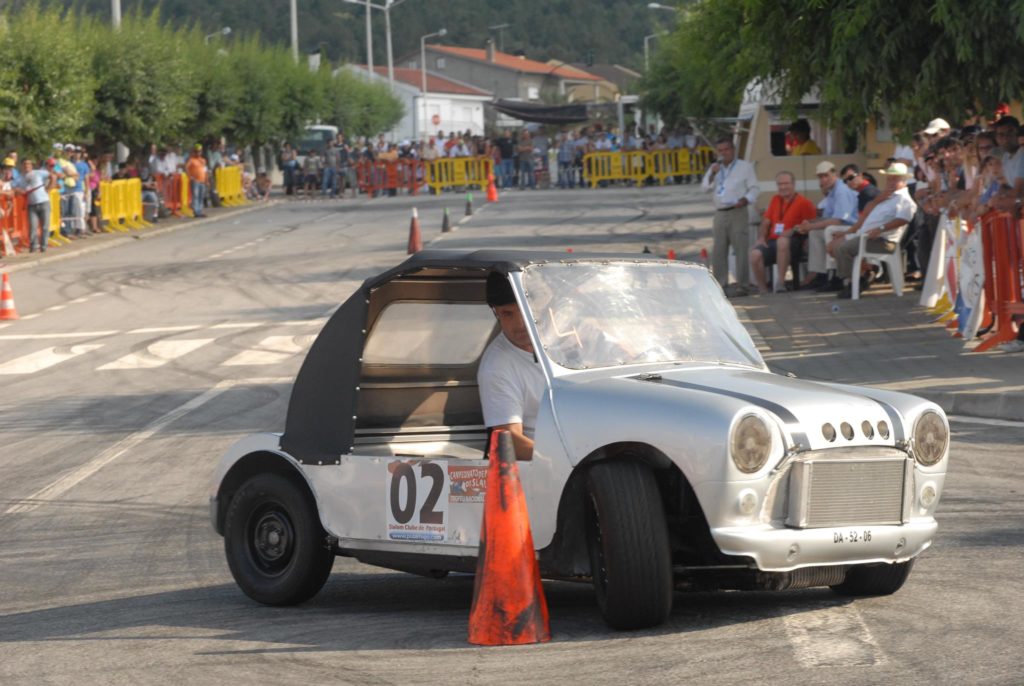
x=667, y=456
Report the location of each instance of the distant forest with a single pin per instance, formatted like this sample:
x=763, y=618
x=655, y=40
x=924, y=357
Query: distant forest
x=608, y=31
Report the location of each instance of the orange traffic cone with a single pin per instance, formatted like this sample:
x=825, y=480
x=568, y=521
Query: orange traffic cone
x=704, y=256
x=492, y=190
x=415, y=240
x=671, y=254
x=509, y=607
x=7, y=310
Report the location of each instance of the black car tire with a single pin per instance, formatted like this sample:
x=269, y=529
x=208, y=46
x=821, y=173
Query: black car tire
x=874, y=579
x=627, y=537
x=275, y=546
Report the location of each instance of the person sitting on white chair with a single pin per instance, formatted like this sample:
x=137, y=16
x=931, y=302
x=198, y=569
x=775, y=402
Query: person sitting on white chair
x=881, y=222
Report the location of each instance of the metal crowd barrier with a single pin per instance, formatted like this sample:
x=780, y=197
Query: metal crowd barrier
x=458, y=172
x=639, y=166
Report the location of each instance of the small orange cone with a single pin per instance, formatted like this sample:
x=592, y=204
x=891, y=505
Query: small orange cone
x=704, y=256
x=415, y=240
x=568, y=249
x=509, y=607
x=671, y=254
x=7, y=310
x=492, y=190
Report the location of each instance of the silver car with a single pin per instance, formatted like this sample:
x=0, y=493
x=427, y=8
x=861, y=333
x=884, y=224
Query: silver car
x=667, y=456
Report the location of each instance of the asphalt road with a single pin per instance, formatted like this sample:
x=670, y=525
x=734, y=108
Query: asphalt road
x=135, y=367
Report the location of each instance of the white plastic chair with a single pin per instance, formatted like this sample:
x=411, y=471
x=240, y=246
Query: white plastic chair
x=893, y=263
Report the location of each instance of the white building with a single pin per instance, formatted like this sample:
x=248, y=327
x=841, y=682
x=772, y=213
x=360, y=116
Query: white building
x=447, y=106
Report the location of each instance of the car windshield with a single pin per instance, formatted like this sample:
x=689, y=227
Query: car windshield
x=609, y=314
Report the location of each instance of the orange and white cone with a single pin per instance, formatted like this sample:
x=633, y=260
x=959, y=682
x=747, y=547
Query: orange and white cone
x=7, y=310
x=492, y=190
x=415, y=239
x=509, y=607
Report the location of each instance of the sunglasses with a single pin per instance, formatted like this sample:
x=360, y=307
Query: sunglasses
x=849, y=178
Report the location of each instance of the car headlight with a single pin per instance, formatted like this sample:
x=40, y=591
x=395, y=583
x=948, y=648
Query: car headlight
x=930, y=438
x=751, y=444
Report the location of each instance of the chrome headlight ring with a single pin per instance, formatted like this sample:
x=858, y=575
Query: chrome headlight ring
x=931, y=438
x=750, y=445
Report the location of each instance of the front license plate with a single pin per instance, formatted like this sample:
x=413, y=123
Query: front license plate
x=851, y=536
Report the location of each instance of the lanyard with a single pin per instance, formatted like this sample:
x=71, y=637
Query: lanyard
x=724, y=176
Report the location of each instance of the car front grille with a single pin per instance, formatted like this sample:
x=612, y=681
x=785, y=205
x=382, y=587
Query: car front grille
x=827, y=492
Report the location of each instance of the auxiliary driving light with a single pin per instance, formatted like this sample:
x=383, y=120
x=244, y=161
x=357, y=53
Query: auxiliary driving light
x=748, y=502
x=751, y=444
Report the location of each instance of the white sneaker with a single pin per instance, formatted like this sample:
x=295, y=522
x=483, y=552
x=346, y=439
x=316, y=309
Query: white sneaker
x=1014, y=346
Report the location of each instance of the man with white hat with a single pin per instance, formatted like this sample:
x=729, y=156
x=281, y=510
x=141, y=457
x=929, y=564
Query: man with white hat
x=838, y=213
x=890, y=211
x=937, y=127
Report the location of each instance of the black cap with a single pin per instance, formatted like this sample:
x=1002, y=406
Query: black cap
x=499, y=290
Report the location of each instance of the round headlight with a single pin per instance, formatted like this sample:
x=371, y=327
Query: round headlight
x=751, y=444
x=883, y=430
x=847, y=431
x=828, y=432
x=869, y=431
x=930, y=438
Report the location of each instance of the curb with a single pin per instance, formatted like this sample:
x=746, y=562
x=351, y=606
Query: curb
x=143, y=234
x=1003, y=406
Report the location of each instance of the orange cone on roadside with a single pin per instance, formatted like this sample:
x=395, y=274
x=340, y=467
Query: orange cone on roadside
x=492, y=190
x=704, y=256
x=7, y=310
x=671, y=254
x=415, y=239
x=509, y=607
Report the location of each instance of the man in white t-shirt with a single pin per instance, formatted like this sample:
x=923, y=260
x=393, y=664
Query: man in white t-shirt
x=510, y=377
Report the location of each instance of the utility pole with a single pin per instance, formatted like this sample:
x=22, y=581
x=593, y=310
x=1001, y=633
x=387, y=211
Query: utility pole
x=295, y=31
x=369, y=41
x=115, y=13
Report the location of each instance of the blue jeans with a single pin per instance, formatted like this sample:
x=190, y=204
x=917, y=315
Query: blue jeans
x=39, y=224
x=506, y=171
x=566, y=175
x=198, y=195
x=330, y=181
x=526, y=174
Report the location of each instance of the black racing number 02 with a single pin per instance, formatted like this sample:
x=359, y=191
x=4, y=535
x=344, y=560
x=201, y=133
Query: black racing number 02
x=404, y=474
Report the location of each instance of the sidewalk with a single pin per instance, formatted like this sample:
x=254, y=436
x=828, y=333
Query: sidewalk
x=883, y=341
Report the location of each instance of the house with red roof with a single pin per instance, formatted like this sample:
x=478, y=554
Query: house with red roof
x=446, y=105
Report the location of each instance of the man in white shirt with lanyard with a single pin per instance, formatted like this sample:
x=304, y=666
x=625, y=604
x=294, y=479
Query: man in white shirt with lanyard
x=734, y=186
x=510, y=377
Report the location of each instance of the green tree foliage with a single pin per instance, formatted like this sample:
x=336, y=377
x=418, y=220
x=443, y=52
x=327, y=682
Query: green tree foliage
x=46, y=87
x=908, y=61
x=361, y=108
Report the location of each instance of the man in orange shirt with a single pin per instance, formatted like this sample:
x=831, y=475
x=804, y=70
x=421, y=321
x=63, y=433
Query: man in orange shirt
x=196, y=170
x=787, y=209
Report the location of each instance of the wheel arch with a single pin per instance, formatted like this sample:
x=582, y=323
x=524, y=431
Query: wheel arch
x=258, y=462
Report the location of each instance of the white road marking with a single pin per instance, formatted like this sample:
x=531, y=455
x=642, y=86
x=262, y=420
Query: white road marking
x=55, y=308
x=271, y=350
x=832, y=636
x=30, y=316
x=986, y=422
x=65, y=483
x=157, y=354
x=238, y=325
x=165, y=329
x=303, y=322
x=43, y=359
x=78, y=300
x=36, y=336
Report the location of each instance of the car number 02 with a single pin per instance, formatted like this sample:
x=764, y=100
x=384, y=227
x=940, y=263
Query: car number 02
x=417, y=500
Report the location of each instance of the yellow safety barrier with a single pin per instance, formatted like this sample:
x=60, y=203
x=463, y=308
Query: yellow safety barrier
x=639, y=165
x=229, y=185
x=121, y=205
x=56, y=237
x=186, y=196
x=452, y=172
x=135, y=216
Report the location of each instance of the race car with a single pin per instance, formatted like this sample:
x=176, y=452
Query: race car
x=667, y=456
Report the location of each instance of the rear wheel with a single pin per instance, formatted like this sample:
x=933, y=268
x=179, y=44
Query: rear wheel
x=874, y=579
x=628, y=541
x=274, y=543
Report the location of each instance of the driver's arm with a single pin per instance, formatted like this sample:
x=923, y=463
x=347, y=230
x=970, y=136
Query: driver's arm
x=523, y=445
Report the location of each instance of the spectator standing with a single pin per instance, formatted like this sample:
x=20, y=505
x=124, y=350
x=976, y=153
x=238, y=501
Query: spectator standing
x=507, y=150
x=734, y=186
x=802, y=143
x=197, y=178
x=838, y=212
x=311, y=168
x=566, y=154
x=330, y=180
x=526, y=161
x=35, y=184
x=289, y=166
x=786, y=210
x=891, y=210
x=1013, y=155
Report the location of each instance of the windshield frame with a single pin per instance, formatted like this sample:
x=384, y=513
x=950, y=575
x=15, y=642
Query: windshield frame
x=554, y=368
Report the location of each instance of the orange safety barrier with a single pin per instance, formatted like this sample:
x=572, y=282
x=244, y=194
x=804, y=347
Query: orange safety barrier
x=14, y=221
x=1003, y=245
x=383, y=175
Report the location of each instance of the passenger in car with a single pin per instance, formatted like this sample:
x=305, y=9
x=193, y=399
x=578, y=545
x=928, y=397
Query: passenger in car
x=510, y=377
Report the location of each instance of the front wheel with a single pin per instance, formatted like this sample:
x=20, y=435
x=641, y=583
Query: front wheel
x=874, y=579
x=274, y=543
x=630, y=560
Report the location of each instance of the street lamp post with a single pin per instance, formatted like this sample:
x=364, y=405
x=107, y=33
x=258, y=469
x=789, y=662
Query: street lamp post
x=423, y=70
x=115, y=13
x=226, y=31
x=500, y=28
x=369, y=40
x=647, y=50
x=294, y=11
x=659, y=6
x=386, y=9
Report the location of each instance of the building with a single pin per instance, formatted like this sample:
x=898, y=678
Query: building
x=508, y=77
x=448, y=105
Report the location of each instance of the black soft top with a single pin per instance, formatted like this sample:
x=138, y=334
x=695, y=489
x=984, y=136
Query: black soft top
x=320, y=426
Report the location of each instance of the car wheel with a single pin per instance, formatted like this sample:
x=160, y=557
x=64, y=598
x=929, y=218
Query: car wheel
x=874, y=579
x=274, y=542
x=628, y=542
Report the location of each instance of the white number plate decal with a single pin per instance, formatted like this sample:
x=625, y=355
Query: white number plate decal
x=417, y=500
x=852, y=536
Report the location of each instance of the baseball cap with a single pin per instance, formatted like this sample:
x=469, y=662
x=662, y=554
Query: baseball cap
x=50, y=162
x=825, y=167
x=8, y=162
x=895, y=169
x=936, y=125
x=58, y=146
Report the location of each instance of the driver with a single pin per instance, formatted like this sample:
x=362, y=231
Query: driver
x=510, y=377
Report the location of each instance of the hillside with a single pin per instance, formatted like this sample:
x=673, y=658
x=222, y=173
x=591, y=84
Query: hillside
x=613, y=30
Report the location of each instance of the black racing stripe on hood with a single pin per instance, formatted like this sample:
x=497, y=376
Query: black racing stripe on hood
x=788, y=418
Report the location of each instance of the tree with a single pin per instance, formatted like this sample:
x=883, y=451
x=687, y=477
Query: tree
x=218, y=90
x=145, y=81
x=46, y=87
x=256, y=117
x=360, y=108
x=908, y=61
